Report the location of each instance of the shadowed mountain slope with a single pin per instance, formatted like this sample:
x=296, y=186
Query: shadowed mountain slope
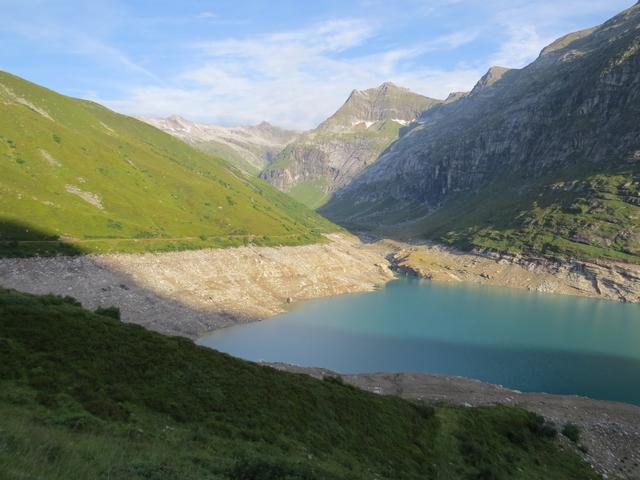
x=545, y=159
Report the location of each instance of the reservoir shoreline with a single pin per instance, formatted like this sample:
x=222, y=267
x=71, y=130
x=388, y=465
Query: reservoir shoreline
x=192, y=293
x=610, y=431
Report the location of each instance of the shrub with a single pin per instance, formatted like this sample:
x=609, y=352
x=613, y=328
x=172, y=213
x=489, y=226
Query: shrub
x=424, y=410
x=335, y=379
x=112, y=312
x=572, y=432
x=537, y=425
x=71, y=301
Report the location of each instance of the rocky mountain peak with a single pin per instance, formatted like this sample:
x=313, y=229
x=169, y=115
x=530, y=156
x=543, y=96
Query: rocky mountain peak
x=455, y=96
x=388, y=101
x=493, y=75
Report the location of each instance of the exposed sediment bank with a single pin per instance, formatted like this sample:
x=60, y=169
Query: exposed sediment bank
x=193, y=292
x=604, y=279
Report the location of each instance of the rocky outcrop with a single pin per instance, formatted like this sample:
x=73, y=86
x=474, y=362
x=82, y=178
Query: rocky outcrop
x=330, y=156
x=250, y=147
x=604, y=279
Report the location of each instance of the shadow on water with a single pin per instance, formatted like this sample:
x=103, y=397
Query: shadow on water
x=39, y=262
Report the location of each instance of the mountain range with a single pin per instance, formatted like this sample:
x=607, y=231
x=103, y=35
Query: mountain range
x=250, y=147
x=328, y=157
x=542, y=160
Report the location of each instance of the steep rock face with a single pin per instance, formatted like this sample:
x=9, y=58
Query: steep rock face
x=249, y=147
x=568, y=116
x=328, y=157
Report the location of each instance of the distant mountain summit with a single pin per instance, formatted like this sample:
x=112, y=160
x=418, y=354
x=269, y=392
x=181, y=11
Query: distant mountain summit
x=249, y=147
x=386, y=102
x=493, y=75
x=328, y=157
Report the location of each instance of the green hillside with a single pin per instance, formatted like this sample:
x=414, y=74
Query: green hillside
x=106, y=182
x=576, y=215
x=84, y=396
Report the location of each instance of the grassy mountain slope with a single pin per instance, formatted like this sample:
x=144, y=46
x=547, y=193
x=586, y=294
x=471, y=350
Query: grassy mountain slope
x=585, y=216
x=85, y=396
x=107, y=182
x=540, y=160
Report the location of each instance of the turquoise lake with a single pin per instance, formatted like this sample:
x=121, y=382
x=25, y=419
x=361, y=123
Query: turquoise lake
x=522, y=340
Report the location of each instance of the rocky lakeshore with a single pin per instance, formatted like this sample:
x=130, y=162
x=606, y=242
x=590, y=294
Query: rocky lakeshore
x=193, y=292
x=605, y=279
x=609, y=431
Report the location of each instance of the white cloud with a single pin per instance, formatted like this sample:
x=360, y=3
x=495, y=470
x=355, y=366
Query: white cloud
x=296, y=78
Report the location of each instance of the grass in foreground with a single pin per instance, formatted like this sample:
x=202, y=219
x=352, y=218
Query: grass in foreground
x=83, y=395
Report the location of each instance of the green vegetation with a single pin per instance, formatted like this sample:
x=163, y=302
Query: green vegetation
x=103, y=182
x=311, y=193
x=85, y=396
x=316, y=148
x=572, y=432
x=577, y=215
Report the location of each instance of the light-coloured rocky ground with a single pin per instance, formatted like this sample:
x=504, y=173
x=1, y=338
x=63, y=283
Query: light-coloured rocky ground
x=610, y=431
x=608, y=280
x=193, y=292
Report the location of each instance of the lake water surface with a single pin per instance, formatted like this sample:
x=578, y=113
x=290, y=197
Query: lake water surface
x=522, y=340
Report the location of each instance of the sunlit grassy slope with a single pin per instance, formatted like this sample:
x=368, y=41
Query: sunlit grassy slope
x=84, y=396
x=107, y=182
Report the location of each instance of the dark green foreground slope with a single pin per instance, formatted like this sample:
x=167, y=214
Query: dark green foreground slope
x=85, y=396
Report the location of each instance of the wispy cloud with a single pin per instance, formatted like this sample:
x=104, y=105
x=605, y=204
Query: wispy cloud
x=293, y=63
x=294, y=78
x=76, y=42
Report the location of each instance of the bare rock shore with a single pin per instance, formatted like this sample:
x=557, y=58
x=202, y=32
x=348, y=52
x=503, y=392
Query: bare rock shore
x=604, y=279
x=191, y=293
x=609, y=431
x=194, y=292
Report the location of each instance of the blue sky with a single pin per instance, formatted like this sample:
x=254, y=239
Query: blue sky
x=289, y=62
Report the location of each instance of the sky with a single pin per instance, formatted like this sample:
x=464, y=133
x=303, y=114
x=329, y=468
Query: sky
x=289, y=62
